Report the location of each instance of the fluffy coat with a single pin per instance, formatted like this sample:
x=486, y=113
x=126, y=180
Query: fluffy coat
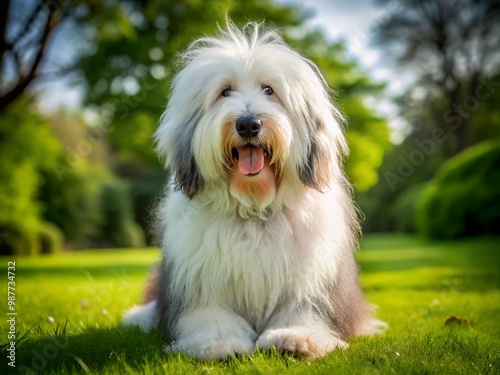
x=254, y=260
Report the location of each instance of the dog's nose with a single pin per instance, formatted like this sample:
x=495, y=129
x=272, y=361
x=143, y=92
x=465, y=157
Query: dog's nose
x=248, y=126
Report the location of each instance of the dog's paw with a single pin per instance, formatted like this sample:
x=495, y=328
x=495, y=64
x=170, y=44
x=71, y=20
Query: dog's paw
x=300, y=341
x=213, y=333
x=205, y=348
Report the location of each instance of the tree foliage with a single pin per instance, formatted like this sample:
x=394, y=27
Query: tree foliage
x=27, y=146
x=451, y=47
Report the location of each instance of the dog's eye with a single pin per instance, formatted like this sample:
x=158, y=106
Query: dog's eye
x=268, y=90
x=225, y=93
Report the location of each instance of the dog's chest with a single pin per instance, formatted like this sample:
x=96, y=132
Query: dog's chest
x=245, y=265
x=252, y=264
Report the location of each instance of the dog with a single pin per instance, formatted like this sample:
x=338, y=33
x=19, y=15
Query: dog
x=259, y=229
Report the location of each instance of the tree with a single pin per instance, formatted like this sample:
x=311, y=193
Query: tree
x=452, y=47
x=24, y=38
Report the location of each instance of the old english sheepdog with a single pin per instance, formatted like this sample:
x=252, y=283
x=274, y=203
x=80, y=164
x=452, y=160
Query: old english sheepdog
x=259, y=229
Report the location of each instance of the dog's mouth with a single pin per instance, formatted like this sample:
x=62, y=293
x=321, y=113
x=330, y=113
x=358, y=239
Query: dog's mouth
x=250, y=158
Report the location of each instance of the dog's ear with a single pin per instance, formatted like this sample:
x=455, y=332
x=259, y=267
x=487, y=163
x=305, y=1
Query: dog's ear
x=175, y=143
x=319, y=125
x=187, y=176
x=316, y=170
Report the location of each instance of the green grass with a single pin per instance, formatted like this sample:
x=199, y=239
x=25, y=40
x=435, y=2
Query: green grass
x=417, y=285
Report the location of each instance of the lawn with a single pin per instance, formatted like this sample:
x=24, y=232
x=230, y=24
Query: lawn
x=69, y=307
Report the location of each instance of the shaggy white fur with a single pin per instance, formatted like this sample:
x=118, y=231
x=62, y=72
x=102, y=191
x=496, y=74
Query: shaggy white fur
x=259, y=229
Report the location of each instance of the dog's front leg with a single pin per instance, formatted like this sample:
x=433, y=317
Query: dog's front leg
x=302, y=333
x=213, y=332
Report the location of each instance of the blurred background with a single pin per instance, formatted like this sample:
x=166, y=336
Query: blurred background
x=83, y=84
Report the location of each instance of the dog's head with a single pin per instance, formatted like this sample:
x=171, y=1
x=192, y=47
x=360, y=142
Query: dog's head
x=249, y=119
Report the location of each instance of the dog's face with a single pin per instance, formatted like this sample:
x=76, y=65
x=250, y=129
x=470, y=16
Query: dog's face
x=251, y=118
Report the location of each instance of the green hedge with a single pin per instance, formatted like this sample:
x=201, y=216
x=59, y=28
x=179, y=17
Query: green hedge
x=22, y=239
x=464, y=197
x=72, y=201
x=119, y=228
x=51, y=238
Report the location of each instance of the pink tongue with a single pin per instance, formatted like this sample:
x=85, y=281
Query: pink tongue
x=251, y=159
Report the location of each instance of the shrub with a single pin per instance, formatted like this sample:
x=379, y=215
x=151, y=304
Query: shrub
x=463, y=199
x=50, y=237
x=119, y=228
x=72, y=202
x=18, y=239
x=91, y=206
x=146, y=185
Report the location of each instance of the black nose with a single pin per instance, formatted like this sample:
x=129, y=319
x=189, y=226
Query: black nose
x=248, y=126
